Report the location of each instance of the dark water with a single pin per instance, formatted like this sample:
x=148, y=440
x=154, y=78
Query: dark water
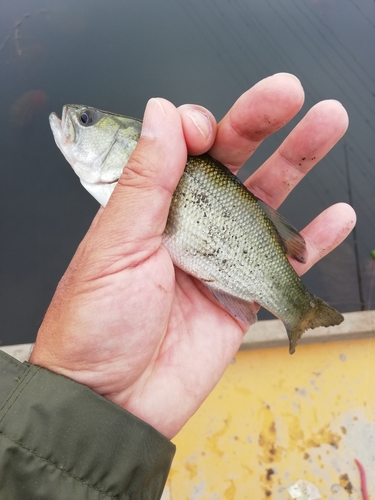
x=115, y=56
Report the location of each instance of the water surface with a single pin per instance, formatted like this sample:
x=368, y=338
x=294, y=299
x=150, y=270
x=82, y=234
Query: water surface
x=115, y=56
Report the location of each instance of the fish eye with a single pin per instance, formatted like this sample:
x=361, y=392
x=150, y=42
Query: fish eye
x=87, y=117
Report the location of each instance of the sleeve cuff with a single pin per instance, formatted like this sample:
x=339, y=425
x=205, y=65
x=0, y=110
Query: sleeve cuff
x=71, y=434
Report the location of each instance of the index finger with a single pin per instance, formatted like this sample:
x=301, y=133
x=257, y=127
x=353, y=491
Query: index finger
x=258, y=113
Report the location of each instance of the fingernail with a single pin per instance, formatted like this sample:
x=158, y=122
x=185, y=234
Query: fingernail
x=153, y=119
x=202, y=122
x=289, y=75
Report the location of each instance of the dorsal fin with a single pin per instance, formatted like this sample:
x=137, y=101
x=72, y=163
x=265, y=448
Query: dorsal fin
x=293, y=242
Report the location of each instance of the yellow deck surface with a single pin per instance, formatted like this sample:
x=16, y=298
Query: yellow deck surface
x=274, y=419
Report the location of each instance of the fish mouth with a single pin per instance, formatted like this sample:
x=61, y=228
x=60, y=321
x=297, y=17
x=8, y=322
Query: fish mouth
x=62, y=128
x=56, y=126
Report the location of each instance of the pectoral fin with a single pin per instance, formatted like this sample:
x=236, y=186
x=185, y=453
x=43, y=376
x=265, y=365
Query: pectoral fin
x=241, y=309
x=292, y=241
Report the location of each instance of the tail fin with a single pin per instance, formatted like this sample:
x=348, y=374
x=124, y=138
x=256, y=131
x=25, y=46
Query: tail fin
x=319, y=314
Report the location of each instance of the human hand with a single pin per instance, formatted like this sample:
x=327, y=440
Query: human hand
x=123, y=320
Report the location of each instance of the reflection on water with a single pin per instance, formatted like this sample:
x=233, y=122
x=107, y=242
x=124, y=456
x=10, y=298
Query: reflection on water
x=65, y=20
x=26, y=108
x=115, y=57
x=30, y=58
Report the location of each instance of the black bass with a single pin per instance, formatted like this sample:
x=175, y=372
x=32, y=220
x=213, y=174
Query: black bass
x=217, y=230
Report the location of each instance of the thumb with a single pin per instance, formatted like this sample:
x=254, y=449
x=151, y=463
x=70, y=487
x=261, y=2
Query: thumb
x=134, y=219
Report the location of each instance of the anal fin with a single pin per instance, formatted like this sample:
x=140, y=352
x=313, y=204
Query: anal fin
x=241, y=309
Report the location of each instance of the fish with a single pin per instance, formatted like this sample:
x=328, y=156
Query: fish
x=216, y=231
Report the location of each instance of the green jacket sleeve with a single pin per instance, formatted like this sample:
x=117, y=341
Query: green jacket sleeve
x=60, y=440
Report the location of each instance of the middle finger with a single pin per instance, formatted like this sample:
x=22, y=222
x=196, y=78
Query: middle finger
x=258, y=113
x=304, y=147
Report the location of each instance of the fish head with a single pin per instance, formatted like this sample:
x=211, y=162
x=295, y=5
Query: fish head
x=97, y=145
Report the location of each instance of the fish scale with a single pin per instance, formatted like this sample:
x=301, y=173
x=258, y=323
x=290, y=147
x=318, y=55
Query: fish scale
x=212, y=250
x=217, y=230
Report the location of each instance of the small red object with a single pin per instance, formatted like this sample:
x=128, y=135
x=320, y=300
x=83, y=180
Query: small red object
x=362, y=474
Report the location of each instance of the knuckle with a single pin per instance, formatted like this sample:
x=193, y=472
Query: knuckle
x=139, y=172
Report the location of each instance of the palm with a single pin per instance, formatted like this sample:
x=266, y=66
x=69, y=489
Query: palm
x=152, y=357
x=128, y=324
